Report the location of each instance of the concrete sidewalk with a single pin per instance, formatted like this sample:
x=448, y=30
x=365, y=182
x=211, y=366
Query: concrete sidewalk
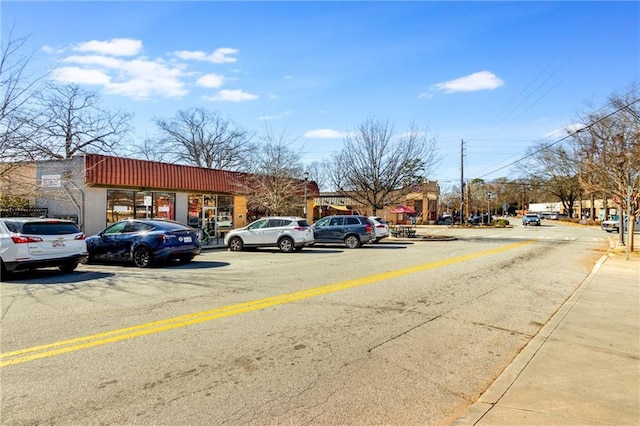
x=583, y=367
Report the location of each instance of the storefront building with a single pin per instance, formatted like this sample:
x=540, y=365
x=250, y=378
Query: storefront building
x=423, y=198
x=97, y=190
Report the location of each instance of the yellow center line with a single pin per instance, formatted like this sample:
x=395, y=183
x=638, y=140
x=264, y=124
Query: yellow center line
x=70, y=345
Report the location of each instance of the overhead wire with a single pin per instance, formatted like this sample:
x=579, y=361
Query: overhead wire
x=511, y=111
x=570, y=135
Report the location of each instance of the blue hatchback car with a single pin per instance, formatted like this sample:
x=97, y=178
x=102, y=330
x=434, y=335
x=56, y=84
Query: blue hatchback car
x=144, y=242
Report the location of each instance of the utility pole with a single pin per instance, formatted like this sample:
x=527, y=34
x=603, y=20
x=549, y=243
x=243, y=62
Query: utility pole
x=461, y=181
x=629, y=228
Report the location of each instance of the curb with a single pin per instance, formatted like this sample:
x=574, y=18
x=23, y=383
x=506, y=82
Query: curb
x=509, y=375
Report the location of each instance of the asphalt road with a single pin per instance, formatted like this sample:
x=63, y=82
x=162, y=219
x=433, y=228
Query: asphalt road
x=395, y=333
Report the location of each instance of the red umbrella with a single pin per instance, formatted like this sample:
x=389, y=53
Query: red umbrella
x=403, y=210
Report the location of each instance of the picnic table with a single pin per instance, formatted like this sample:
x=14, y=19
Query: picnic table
x=403, y=231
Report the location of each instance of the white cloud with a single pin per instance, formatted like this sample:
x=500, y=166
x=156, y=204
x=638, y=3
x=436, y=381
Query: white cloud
x=51, y=50
x=567, y=130
x=425, y=95
x=275, y=117
x=219, y=56
x=101, y=61
x=211, y=80
x=78, y=75
x=118, y=66
x=114, y=47
x=232, y=96
x=323, y=134
x=137, y=78
x=483, y=80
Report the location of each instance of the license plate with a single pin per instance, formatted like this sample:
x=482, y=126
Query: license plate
x=57, y=244
x=187, y=239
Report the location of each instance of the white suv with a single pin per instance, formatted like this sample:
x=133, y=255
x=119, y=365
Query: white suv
x=30, y=243
x=288, y=233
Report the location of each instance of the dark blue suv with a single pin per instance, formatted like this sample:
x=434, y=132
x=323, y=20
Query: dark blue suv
x=351, y=230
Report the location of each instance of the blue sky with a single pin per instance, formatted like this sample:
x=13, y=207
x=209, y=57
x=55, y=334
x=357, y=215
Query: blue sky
x=500, y=75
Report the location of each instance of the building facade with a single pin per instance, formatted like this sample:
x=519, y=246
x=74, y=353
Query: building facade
x=97, y=190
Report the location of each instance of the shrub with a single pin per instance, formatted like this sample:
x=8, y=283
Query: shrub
x=502, y=223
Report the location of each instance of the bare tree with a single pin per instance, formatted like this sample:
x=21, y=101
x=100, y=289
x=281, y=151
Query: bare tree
x=555, y=164
x=275, y=180
x=608, y=150
x=205, y=138
x=319, y=173
x=69, y=121
x=375, y=163
x=17, y=85
x=149, y=148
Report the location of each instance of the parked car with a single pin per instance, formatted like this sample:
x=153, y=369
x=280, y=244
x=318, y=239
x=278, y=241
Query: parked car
x=288, y=233
x=31, y=243
x=610, y=225
x=531, y=219
x=380, y=227
x=144, y=242
x=613, y=225
x=351, y=230
x=557, y=216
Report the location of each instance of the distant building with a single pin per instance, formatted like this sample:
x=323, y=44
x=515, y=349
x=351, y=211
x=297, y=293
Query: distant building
x=423, y=198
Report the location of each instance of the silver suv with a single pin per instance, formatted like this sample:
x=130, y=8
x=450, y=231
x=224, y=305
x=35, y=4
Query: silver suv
x=30, y=243
x=351, y=230
x=288, y=233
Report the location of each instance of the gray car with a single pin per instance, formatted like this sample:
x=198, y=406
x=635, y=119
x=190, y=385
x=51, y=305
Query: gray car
x=351, y=230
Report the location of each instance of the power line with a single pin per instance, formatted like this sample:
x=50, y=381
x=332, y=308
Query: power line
x=561, y=139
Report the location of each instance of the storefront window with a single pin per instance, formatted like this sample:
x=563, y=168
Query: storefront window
x=165, y=205
x=142, y=205
x=119, y=205
x=211, y=212
x=195, y=210
x=225, y=212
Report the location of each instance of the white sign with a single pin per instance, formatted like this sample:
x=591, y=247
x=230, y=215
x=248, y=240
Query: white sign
x=147, y=200
x=51, y=181
x=121, y=209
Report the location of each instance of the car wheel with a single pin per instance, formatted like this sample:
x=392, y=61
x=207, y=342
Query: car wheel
x=351, y=241
x=375, y=240
x=286, y=245
x=186, y=259
x=68, y=267
x=142, y=257
x=235, y=244
x=4, y=274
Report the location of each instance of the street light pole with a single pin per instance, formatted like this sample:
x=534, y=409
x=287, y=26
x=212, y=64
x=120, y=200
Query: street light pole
x=306, y=178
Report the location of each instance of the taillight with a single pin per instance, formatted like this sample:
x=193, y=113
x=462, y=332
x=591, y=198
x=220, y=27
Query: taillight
x=299, y=228
x=20, y=239
x=379, y=226
x=368, y=227
x=80, y=237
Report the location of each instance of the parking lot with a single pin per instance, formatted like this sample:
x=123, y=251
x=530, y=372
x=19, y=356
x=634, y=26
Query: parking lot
x=327, y=333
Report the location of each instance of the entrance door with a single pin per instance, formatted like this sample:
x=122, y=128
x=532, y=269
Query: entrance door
x=209, y=220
